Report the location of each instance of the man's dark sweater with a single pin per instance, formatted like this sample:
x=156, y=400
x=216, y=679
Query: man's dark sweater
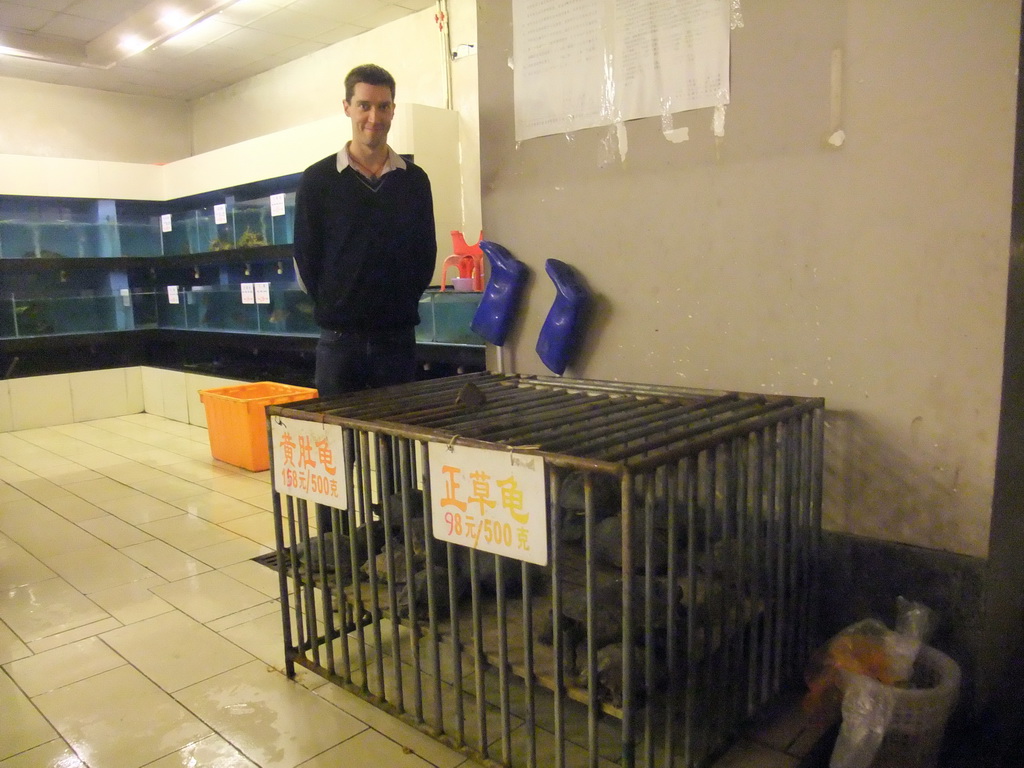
x=365, y=255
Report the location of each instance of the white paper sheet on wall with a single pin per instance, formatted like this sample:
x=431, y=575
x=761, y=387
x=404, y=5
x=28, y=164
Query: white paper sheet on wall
x=580, y=63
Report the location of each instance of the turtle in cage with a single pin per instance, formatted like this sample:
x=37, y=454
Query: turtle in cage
x=607, y=616
x=608, y=663
x=572, y=502
x=326, y=540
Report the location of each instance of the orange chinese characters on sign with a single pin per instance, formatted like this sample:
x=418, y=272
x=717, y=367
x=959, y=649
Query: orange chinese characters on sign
x=304, y=460
x=482, y=500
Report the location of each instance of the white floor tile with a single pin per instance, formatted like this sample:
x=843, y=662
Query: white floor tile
x=18, y=568
x=9, y=494
x=119, y=719
x=11, y=647
x=52, y=754
x=97, y=568
x=368, y=748
x=175, y=651
x=259, y=528
x=76, y=509
x=268, y=717
x=209, y=596
x=62, y=666
x=216, y=507
x=165, y=561
x=257, y=576
x=168, y=487
x=132, y=602
x=102, y=489
x=238, y=487
x=64, y=608
x=23, y=727
x=406, y=735
x=140, y=508
x=42, y=532
x=212, y=751
x=73, y=635
x=187, y=533
x=114, y=531
x=230, y=552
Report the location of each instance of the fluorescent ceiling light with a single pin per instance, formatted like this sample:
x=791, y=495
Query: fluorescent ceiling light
x=174, y=19
x=132, y=44
x=151, y=25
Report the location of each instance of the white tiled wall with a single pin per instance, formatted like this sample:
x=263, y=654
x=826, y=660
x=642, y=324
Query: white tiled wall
x=164, y=393
x=43, y=401
x=102, y=394
x=133, y=384
x=194, y=383
x=6, y=420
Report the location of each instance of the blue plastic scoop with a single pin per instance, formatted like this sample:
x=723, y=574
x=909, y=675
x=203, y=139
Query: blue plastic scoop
x=562, y=329
x=497, y=310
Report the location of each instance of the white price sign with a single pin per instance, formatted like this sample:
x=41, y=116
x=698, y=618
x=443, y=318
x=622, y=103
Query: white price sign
x=277, y=204
x=165, y=223
x=220, y=213
x=490, y=500
x=307, y=458
x=248, y=293
x=262, y=291
x=172, y=295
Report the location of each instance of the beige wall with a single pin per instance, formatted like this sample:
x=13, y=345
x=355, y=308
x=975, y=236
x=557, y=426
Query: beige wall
x=873, y=274
x=47, y=120
x=313, y=87
x=466, y=101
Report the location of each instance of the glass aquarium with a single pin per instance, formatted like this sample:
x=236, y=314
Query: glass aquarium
x=446, y=316
x=247, y=215
x=267, y=220
x=44, y=227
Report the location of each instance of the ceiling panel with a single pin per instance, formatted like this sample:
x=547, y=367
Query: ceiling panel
x=74, y=27
x=110, y=11
x=24, y=18
x=66, y=40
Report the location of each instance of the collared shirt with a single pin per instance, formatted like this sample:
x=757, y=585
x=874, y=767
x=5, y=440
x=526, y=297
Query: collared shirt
x=394, y=161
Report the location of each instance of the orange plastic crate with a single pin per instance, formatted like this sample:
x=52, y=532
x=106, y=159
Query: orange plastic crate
x=236, y=418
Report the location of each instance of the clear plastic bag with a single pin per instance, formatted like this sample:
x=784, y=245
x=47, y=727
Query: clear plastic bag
x=867, y=710
x=860, y=671
x=914, y=619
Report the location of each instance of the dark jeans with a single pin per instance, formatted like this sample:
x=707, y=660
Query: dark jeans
x=347, y=361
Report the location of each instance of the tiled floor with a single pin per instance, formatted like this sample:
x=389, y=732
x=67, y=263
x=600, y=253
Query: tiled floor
x=136, y=631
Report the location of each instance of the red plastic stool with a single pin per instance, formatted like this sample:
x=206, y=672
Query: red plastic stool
x=467, y=259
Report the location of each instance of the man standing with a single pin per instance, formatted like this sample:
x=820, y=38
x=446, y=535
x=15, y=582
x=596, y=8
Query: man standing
x=365, y=247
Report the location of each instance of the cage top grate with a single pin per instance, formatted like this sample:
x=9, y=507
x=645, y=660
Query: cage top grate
x=597, y=421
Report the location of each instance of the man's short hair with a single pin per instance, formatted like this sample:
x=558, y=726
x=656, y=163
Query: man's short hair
x=370, y=74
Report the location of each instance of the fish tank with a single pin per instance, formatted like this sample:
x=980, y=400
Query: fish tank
x=64, y=298
x=245, y=216
x=446, y=316
x=59, y=228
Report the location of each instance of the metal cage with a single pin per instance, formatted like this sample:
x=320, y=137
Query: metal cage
x=680, y=591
